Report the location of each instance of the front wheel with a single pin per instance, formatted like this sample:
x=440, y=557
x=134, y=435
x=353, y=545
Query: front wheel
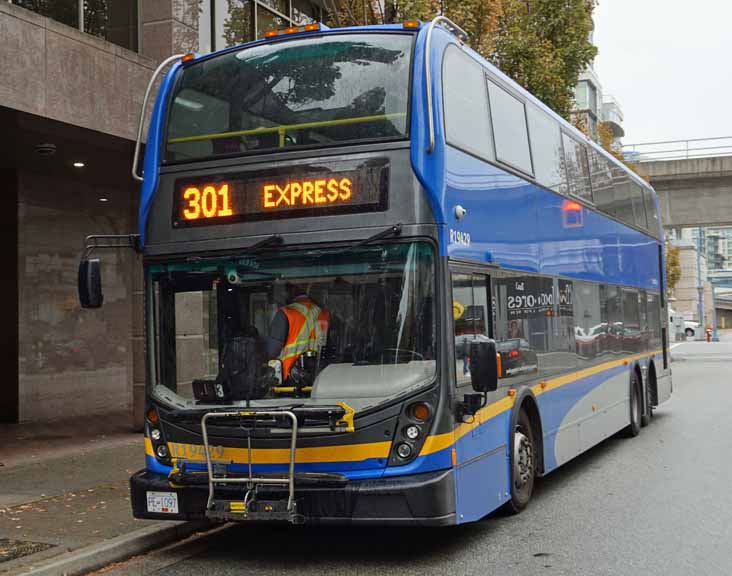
x=523, y=465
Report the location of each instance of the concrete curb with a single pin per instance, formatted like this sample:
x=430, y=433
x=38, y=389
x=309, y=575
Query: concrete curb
x=96, y=556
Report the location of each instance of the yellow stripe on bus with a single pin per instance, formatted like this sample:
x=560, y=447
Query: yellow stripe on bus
x=357, y=452
x=439, y=442
x=341, y=453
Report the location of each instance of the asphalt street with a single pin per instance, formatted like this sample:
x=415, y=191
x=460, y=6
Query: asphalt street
x=656, y=504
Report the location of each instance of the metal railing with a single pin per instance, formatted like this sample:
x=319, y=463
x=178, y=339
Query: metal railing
x=679, y=149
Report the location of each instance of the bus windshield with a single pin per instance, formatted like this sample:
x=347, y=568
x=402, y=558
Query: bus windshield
x=377, y=339
x=313, y=91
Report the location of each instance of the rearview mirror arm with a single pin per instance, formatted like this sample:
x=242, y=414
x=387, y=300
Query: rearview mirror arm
x=105, y=241
x=470, y=405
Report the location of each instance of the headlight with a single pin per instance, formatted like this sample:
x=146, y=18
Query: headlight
x=155, y=434
x=412, y=432
x=162, y=451
x=404, y=451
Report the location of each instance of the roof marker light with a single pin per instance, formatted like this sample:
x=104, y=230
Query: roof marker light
x=188, y=57
x=314, y=27
x=410, y=24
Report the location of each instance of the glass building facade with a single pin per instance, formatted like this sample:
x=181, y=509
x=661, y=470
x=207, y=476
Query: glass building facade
x=113, y=20
x=225, y=23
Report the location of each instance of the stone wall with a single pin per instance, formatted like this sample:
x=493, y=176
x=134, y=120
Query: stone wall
x=58, y=72
x=71, y=362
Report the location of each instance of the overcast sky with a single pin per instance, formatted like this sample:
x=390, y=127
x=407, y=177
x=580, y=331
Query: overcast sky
x=667, y=62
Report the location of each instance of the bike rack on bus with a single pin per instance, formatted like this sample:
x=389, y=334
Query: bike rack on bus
x=250, y=508
x=462, y=35
x=158, y=70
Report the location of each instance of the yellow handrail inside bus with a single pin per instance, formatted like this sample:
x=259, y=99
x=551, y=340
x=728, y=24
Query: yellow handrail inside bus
x=283, y=128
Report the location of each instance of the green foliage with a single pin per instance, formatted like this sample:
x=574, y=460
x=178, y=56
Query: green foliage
x=673, y=267
x=238, y=26
x=542, y=44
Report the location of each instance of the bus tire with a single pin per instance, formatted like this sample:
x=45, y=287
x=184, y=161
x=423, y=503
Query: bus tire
x=523, y=464
x=633, y=429
x=650, y=395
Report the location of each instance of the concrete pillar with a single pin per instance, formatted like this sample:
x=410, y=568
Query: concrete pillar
x=169, y=27
x=138, y=345
x=9, y=385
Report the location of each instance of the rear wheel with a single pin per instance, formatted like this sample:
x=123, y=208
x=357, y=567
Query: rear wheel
x=633, y=429
x=523, y=465
x=648, y=412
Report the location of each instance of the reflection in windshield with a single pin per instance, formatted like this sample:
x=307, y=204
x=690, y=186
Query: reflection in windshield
x=313, y=91
x=329, y=324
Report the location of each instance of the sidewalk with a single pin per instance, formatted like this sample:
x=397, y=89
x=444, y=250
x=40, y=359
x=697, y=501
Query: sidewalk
x=64, y=486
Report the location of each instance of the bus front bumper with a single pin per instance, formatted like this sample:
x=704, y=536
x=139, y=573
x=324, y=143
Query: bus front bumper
x=421, y=499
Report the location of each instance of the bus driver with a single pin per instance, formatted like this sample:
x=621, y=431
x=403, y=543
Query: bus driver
x=298, y=326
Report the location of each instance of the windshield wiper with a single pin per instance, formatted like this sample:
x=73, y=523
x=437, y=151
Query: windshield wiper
x=273, y=240
x=269, y=241
x=394, y=230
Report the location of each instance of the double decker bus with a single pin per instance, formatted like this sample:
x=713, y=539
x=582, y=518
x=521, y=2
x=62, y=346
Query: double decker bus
x=488, y=283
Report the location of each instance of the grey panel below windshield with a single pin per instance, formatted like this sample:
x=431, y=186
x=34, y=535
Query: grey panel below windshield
x=349, y=381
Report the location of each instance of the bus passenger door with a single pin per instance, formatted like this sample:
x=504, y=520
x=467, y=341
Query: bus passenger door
x=481, y=469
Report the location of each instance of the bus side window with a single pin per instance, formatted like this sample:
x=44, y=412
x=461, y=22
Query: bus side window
x=578, y=170
x=471, y=318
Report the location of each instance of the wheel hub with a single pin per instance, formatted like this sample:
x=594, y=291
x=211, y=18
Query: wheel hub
x=523, y=459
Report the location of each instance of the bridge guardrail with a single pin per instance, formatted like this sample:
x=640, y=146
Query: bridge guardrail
x=678, y=149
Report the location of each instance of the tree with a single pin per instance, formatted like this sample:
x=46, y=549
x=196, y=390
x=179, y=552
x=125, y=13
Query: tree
x=608, y=142
x=545, y=45
x=542, y=44
x=238, y=26
x=673, y=267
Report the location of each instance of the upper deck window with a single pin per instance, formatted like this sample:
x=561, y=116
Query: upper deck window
x=546, y=149
x=509, y=128
x=467, y=124
x=578, y=170
x=315, y=91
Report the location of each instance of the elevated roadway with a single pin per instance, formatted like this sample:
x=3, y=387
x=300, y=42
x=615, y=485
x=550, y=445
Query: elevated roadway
x=694, y=191
x=693, y=179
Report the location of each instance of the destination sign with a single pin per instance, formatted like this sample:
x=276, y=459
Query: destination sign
x=312, y=190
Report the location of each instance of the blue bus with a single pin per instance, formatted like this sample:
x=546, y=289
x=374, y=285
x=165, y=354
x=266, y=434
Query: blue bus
x=480, y=288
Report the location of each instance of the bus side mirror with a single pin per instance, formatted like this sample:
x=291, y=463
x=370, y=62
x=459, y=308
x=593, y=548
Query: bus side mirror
x=483, y=366
x=90, y=283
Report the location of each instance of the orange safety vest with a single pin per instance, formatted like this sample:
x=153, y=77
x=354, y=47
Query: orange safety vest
x=308, y=328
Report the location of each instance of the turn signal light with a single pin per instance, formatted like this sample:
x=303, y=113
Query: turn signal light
x=152, y=416
x=420, y=411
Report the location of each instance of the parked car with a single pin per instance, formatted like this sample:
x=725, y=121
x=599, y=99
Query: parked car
x=517, y=357
x=690, y=328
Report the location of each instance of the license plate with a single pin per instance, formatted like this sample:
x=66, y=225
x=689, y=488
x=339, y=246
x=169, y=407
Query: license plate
x=162, y=502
